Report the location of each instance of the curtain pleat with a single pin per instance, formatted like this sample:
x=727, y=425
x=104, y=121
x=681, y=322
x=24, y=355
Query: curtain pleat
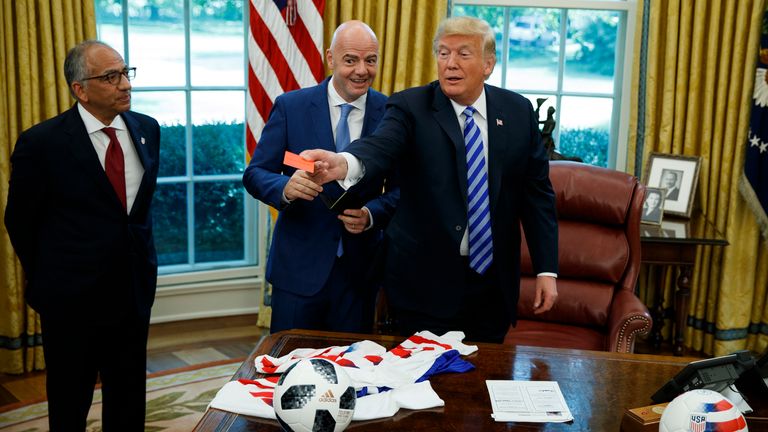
x=698, y=73
x=36, y=36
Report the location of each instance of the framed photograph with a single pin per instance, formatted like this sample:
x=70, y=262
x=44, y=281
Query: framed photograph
x=674, y=229
x=677, y=174
x=653, y=206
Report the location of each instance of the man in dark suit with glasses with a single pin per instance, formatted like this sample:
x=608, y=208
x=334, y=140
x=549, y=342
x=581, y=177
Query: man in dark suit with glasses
x=78, y=216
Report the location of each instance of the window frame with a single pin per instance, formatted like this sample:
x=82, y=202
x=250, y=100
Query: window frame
x=254, y=217
x=623, y=66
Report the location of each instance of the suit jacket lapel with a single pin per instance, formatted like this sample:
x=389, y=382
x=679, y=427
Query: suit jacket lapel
x=320, y=114
x=139, y=143
x=446, y=118
x=81, y=146
x=372, y=116
x=497, y=145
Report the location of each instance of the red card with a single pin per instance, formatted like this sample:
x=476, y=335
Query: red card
x=296, y=161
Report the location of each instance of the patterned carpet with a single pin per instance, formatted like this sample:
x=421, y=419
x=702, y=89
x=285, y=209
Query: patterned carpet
x=176, y=400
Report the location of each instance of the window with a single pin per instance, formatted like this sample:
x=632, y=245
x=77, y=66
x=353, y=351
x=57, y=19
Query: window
x=569, y=55
x=191, y=62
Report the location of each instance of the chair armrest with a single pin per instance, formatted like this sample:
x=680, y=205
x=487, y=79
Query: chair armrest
x=627, y=318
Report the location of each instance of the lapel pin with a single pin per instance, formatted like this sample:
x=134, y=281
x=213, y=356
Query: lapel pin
x=498, y=123
x=143, y=141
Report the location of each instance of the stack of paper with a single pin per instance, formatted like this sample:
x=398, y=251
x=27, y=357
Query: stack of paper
x=528, y=401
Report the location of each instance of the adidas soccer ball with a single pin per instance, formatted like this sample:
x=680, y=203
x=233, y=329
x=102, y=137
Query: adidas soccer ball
x=314, y=395
x=701, y=410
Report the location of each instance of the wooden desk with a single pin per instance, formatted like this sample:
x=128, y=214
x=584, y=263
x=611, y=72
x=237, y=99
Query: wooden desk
x=673, y=245
x=597, y=386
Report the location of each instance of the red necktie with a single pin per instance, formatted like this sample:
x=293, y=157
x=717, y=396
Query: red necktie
x=114, y=165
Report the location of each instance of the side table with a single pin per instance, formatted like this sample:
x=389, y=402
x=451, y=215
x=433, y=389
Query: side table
x=673, y=244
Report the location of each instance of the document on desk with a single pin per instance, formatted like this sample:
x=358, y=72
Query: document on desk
x=528, y=401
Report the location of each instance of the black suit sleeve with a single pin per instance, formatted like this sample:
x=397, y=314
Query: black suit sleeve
x=380, y=151
x=25, y=202
x=538, y=214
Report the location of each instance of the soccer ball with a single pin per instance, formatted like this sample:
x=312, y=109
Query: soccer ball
x=701, y=410
x=314, y=395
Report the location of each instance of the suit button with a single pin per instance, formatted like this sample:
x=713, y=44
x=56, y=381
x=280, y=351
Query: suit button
x=458, y=227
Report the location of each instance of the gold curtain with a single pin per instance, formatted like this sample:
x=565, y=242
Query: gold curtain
x=405, y=29
x=36, y=36
x=699, y=73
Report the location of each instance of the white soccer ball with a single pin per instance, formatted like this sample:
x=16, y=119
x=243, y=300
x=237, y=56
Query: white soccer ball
x=701, y=410
x=314, y=395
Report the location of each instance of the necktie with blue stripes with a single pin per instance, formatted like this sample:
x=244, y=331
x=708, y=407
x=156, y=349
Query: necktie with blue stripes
x=478, y=207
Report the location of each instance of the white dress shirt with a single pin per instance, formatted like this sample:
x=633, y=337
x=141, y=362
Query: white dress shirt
x=134, y=170
x=356, y=116
x=354, y=122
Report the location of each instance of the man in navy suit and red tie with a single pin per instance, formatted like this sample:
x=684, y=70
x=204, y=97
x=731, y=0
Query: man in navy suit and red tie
x=320, y=258
x=472, y=168
x=78, y=216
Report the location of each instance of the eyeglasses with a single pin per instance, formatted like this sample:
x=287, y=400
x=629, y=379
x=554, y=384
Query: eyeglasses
x=115, y=77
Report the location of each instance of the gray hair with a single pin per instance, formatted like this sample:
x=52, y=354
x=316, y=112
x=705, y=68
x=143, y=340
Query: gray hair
x=75, y=68
x=467, y=26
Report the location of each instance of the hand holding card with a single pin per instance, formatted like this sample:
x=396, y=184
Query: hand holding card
x=296, y=161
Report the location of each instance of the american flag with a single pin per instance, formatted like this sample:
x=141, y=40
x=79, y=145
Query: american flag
x=285, y=52
x=755, y=188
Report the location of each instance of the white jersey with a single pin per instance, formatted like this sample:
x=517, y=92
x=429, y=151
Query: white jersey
x=385, y=380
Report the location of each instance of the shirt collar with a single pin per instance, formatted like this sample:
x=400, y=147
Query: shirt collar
x=479, y=106
x=335, y=99
x=92, y=124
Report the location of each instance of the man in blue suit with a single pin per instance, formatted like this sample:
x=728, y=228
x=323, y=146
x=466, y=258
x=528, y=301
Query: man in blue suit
x=453, y=257
x=78, y=216
x=320, y=258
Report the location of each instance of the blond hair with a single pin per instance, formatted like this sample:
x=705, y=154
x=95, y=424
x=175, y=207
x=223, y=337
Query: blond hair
x=467, y=26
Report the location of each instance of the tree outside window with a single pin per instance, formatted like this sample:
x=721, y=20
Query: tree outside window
x=191, y=78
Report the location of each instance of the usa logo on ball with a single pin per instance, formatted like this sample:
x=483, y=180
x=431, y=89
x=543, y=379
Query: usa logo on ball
x=702, y=410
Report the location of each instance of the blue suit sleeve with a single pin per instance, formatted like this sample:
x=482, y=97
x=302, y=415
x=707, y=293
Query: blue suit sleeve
x=265, y=178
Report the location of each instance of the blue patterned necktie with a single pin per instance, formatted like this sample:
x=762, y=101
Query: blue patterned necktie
x=342, y=141
x=478, y=207
x=342, y=128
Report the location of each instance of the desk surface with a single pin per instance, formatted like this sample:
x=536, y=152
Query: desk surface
x=597, y=386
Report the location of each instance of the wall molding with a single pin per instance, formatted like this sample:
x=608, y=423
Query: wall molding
x=193, y=299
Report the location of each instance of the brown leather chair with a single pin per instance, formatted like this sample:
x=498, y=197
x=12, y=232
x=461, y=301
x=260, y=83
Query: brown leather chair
x=599, y=251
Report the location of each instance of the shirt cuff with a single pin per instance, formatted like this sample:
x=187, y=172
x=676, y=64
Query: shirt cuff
x=355, y=171
x=554, y=275
x=370, y=218
x=285, y=201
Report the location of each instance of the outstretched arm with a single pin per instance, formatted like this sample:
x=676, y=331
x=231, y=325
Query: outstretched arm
x=329, y=166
